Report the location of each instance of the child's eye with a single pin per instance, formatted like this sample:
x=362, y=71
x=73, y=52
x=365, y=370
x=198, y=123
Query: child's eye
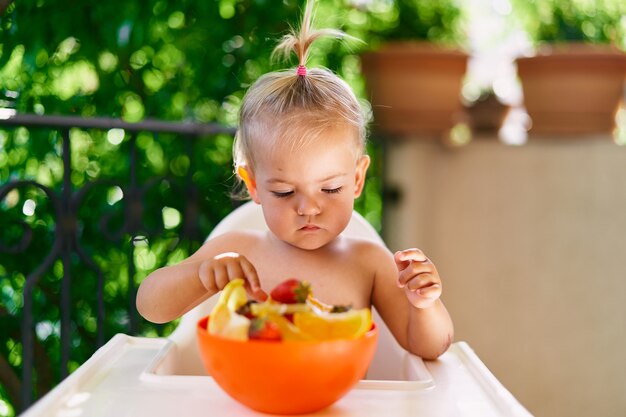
x=282, y=194
x=332, y=190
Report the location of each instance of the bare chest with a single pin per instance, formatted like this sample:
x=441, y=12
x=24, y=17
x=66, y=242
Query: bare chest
x=338, y=279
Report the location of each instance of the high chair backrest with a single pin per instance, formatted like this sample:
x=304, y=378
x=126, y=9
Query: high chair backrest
x=250, y=216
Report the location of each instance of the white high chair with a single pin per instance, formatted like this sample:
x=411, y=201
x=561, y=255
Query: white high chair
x=389, y=362
x=161, y=377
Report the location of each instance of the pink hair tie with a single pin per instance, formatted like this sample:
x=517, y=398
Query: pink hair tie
x=301, y=70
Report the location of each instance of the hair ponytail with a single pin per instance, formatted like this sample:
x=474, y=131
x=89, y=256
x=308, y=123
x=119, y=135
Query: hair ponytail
x=300, y=41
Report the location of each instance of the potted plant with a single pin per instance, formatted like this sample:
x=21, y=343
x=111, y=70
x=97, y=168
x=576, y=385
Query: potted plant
x=415, y=70
x=574, y=83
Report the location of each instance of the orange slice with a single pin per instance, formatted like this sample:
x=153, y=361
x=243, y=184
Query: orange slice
x=348, y=325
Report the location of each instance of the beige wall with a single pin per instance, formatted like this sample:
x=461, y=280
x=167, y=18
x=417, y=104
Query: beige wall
x=531, y=244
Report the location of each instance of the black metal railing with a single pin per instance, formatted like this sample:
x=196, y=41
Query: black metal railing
x=67, y=201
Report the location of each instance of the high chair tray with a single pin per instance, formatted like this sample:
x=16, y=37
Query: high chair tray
x=128, y=376
x=413, y=376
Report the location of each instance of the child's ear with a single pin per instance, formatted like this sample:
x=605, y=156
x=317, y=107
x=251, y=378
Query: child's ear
x=248, y=178
x=361, y=169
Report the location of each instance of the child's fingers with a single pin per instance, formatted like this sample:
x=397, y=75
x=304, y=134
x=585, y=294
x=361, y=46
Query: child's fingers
x=404, y=257
x=234, y=270
x=412, y=254
x=228, y=266
x=422, y=282
x=413, y=270
x=207, y=276
x=240, y=267
x=431, y=292
x=423, y=297
x=253, y=279
x=427, y=289
x=220, y=276
x=418, y=276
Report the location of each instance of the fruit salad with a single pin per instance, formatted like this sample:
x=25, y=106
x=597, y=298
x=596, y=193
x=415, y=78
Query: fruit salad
x=290, y=313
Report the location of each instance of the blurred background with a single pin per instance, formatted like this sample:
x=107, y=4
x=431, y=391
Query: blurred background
x=116, y=123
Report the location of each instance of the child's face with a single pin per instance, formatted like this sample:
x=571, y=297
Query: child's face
x=308, y=194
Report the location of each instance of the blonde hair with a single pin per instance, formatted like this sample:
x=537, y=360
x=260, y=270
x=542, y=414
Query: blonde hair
x=290, y=109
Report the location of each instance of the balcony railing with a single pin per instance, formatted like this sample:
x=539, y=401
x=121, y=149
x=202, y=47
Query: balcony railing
x=180, y=168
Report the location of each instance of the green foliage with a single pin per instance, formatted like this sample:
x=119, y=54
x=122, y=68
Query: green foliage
x=439, y=21
x=153, y=59
x=6, y=409
x=175, y=60
x=591, y=21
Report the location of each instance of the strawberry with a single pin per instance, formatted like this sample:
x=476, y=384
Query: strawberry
x=291, y=291
x=263, y=329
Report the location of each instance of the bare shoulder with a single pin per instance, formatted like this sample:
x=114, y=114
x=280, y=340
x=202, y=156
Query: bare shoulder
x=237, y=239
x=368, y=251
x=376, y=258
x=232, y=241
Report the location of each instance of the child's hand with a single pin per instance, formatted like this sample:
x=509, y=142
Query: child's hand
x=215, y=273
x=418, y=276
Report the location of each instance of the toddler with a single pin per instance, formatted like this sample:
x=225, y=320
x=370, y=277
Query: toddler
x=300, y=151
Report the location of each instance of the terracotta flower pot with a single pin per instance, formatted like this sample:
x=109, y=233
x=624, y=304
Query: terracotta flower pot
x=573, y=90
x=487, y=114
x=414, y=87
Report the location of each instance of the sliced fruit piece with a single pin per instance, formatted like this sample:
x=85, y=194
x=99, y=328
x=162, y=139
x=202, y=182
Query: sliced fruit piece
x=245, y=310
x=234, y=294
x=317, y=305
x=228, y=324
x=291, y=291
x=265, y=308
x=321, y=307
x=224, y=321
x=287, y=329
x=347, y=325
x=264, y=329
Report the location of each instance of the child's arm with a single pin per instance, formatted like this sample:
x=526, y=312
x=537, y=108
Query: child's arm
x=171, y=291
x=428, y=319
x=410, y=304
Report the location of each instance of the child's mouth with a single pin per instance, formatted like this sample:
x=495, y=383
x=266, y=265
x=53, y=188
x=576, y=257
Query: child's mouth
x=309, y=228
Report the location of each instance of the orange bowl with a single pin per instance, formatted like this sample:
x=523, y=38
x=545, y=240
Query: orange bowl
x=293, y=377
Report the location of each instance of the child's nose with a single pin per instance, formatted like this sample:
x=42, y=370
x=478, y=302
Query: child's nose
x=308, y=207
